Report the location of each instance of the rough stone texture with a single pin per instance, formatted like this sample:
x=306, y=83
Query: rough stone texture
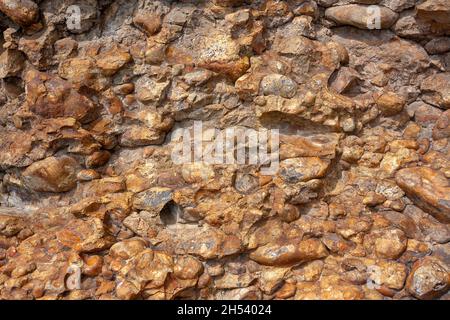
x=22, y=12
x=93, y=204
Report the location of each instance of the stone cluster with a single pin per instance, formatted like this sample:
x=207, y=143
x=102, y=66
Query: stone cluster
x=92, y=205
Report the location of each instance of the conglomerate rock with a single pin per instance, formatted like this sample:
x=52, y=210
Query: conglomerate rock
x=98, y=199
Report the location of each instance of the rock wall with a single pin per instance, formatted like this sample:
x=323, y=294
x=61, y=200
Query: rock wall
x=93, y=205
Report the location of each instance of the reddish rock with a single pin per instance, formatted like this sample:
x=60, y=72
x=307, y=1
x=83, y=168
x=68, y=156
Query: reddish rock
x=428, y=189
x=390, y=103
x=51, y=97
x=429, y=278
x=289, y=252
x=436, y=90
x=84, y=235
x=149, y=22
x=112, y=60
x=22, y=12
x=360, y=16
x=52, y=175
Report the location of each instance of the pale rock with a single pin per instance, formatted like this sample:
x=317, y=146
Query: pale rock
x=360, y=16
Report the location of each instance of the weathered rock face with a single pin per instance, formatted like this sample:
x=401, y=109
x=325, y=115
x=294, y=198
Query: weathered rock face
x=224, y=149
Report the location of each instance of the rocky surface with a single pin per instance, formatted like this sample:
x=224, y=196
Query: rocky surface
x=93, y=205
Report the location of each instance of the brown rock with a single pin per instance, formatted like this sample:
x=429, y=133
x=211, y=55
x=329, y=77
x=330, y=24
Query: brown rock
x=11, y=63
x=187, y=267
x=149, y=22
x=429, y=278
x=97, y=159
x=148, y=90
x=52, y=175
x=388, y=244
x=442, y=128
x=435, y=11
x=15, y=146
x=436, y=90
x=428, y=189
x=289, y=252
x=84, y=235
x=359, y=16
x=303, y=169
x=51, y=97
x=112, y=60
x=197, y=172
x=345, y=79
x=22, y=12
x=209, y=243
x=138, y=136
x=390, y=103
x=92, y=265
x=153, y=199
x=438, y=45
x=93, y=204
x=127, y=248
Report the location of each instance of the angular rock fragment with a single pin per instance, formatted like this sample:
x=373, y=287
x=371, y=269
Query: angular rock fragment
x=51, y=97
x=148, y=22
x=428, y=189
x=437, y=12
x=148, y=90
x=391, y=274
x=84, y=236
x=22, y=12
x=15, y=146
x=52, y=175
x=152, y=200
x=303, y=169
x=390, y=103
x=112, y=60
x=436, y=90
x=11, y=63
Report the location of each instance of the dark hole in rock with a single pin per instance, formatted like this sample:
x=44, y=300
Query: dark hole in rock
x=13, y=87
x=170, y=214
